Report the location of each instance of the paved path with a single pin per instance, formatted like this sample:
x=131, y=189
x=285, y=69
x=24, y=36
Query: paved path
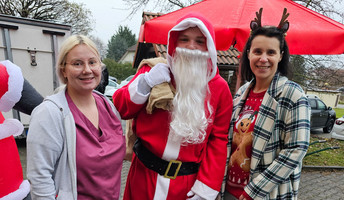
x=125, y=169
x=319, y=132
x=322, y=185
x=315, y=184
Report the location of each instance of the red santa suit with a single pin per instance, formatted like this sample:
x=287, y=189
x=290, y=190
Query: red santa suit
x=12, y=185
x=153, y=130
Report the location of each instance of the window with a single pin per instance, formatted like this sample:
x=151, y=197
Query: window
x=321, y=105
x=313, y=103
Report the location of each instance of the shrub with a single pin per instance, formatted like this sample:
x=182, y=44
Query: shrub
x=119, y=70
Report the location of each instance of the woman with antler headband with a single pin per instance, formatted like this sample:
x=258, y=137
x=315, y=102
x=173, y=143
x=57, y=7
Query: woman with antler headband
x=270, y=125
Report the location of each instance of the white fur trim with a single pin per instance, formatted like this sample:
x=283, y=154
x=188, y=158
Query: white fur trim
x=171, y=152
x=204, y=191
x=136, y=96
x=161, y=189
x=15, y=86
x=193, y=22
x=172, y=149
x=19, y=194
x=11, y=127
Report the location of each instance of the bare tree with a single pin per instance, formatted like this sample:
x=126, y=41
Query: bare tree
x=323, y=70
x=329, y=8
x=61, y=11
x=158, y=5
x=100, y=46
x=325, y=78
x=77, y=15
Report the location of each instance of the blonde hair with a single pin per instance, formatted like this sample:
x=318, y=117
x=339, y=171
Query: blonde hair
x=66, y=47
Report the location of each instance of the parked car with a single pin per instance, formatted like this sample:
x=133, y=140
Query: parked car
x=111, y=88
x=126, y=81
x=322, y=116
x=338, y=129
x=341, y=89
x=113, y=78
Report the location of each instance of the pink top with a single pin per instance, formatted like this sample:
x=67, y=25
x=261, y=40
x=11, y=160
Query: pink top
x=99, y=152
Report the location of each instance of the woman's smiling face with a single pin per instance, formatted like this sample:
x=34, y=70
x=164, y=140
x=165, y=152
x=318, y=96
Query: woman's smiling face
x=82, y=70
x=264, y=56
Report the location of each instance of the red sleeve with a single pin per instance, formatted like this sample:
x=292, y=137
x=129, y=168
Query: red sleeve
x=213, y=165
x=122, y=99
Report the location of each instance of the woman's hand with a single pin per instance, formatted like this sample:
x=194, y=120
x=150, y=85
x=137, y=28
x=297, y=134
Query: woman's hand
x=242, y=197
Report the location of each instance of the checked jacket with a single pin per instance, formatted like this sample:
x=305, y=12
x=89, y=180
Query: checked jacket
x=280, y=139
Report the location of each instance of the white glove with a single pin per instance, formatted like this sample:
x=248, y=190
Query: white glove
x=193, y=196
x=158, y=74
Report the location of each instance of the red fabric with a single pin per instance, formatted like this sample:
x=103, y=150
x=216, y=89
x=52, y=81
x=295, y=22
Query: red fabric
x=153, y=129
x=3, y=80
x=141, y=36
x=174, y=34
x=2, y=119
x=231, y=21
x=99, y=158
x=11, y=173
x=141, y=183
x=247, y=197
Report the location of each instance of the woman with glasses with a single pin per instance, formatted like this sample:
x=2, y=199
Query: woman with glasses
x=75, y=144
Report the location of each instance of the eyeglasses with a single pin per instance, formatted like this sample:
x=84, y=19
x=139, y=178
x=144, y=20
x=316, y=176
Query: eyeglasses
x=80, y=65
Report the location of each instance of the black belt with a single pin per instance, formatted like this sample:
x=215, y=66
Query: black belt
x=168, y=169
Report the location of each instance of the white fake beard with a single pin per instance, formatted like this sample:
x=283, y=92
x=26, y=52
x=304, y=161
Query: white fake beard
x=189, y=121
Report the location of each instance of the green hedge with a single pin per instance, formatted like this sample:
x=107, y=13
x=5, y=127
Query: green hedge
x=119, y=70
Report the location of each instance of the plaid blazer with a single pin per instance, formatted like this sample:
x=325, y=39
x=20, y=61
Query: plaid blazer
x=280, y=139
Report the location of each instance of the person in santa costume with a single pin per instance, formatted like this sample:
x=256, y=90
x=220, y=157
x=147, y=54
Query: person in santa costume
x=180, y=152
x=15, y=92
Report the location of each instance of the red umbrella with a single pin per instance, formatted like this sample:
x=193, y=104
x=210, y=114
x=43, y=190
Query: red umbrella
x=309, y=32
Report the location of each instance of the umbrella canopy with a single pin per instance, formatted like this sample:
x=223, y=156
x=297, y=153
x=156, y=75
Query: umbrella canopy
x=309, y=31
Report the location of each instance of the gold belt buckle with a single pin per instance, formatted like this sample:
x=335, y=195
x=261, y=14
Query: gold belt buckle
x=169, y=166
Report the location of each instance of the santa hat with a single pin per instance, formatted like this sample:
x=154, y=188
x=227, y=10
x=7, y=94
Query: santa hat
x=194, y=19
x=11, y=86
x=12, y=186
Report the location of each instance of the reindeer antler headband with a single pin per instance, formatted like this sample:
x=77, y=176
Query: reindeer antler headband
x=283, y=25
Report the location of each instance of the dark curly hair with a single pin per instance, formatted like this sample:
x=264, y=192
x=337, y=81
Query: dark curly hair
x=268, y=31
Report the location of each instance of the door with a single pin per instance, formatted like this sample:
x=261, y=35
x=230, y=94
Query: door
x=315, y=114
x=323, y=113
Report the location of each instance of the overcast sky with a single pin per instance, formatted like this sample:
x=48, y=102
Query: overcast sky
x=109, y=15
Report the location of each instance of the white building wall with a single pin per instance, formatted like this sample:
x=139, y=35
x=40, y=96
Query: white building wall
x=330, y=98
x=30, y=36
x=128, y=57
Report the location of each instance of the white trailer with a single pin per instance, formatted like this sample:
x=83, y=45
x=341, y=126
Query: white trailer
x=33, y=46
